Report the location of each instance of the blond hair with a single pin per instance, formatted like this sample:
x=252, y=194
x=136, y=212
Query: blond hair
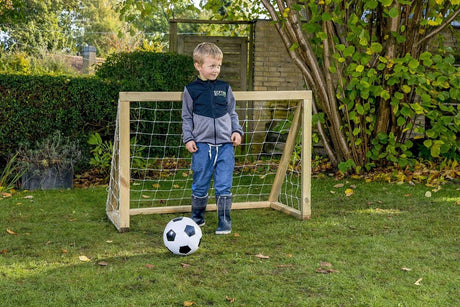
x=205, y=49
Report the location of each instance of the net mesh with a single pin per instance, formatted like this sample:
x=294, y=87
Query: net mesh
x=160, y=172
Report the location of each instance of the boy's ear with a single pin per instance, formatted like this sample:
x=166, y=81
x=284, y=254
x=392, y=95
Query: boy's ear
x=197, y=66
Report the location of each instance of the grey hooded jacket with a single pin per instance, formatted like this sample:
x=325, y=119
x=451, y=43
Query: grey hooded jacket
x=208, y=112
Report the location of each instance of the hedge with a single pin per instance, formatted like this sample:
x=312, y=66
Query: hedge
x=34, y=107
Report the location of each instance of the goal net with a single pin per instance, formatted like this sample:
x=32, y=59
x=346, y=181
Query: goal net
x=151, y=169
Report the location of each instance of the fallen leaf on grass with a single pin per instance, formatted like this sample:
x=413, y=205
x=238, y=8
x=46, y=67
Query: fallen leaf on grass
x=189, y=303
x=11, y=232
x=185, y=265
x=6, y=194
x=236, y=234
x=427, y=194
x=406, y=269
x=285, y=265
x=102, y=263
x=339, y=185
x=230, y=299
x=3, y=251
x=156, y=185
x=260, y=256
x=326, y=271
x=349, y=192
x=145, y=196
x=332, y=192
x=64, y=251
x=149, y=266
x=29, y=197
x=418, y=282
x=84, y=259
x=325, y=264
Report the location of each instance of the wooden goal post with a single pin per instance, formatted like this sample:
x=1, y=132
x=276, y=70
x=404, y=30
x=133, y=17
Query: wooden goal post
x=118, y=201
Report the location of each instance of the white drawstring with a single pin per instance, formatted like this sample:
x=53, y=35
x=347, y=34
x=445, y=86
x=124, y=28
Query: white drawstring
x=217, y=152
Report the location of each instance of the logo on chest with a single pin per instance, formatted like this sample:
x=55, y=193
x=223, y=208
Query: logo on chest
x=220, y=94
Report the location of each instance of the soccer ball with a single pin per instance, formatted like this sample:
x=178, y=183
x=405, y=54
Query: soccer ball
x=182, y=236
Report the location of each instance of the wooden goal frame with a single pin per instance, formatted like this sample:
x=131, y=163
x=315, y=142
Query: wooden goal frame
x=118, y=206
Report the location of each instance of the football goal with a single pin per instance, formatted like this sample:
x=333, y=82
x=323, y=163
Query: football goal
x=151, y=169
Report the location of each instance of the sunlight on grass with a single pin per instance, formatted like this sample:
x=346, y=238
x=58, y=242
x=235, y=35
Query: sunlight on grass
x=350, y=253
x=447, y=199
x=380, y=211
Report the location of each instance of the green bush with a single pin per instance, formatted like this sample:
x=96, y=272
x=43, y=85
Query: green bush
x=35, y=106
x=148, y=71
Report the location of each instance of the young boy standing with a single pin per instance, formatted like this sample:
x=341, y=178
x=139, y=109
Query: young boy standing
x=210, y=130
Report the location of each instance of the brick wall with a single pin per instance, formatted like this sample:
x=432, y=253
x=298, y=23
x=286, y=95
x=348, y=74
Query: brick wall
x=273, y=68
x=273, y=71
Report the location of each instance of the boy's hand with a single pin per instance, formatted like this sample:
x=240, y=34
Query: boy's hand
x=236, y=139
x=191, y=146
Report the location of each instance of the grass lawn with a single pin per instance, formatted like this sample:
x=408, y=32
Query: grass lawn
x=385, y=245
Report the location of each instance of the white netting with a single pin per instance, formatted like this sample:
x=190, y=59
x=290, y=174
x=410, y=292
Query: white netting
x=160, y=165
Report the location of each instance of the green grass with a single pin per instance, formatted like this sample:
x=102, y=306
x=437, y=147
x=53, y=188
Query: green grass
x=367, y=238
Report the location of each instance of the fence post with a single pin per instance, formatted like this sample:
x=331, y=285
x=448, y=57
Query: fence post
x=89, y=58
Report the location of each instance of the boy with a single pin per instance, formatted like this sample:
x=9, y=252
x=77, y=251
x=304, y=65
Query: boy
x=210, y=130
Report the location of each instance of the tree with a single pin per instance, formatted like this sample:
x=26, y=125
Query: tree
x=37, y=26
x=375, y=67
x=33, y=25
x=151, y=17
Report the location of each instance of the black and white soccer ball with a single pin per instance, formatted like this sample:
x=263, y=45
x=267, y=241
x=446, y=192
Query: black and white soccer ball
x=182, y=236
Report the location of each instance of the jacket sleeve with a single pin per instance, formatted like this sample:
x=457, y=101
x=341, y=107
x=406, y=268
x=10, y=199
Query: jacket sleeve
x=187, y=117
x=236, y=127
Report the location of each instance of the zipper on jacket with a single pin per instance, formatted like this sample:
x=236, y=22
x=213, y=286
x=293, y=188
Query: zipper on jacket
x=213, y=104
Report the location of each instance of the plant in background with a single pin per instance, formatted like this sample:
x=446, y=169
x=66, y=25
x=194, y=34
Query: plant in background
x=49, y=163
x=103, y=151
x=376, y=69
x=10, y=175
x=55, y=150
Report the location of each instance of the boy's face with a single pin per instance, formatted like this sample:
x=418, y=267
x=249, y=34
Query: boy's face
x=209, y=69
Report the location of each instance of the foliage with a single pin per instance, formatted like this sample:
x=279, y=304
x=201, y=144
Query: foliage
x=55, y=151
x=34, y=107
x=20, y=62
x=103, y=152
x=152, y=16
x=148, y=71
x=65, y=26
x=10, y=175
x=376, y=68
x=62, y=240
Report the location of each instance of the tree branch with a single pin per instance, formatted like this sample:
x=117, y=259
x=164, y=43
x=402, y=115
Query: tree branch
x=440, y=28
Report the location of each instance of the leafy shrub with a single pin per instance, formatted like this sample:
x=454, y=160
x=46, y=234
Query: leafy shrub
x=35, y=106
x=148, y=71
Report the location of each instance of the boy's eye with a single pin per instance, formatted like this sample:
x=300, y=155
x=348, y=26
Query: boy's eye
x=214, y=66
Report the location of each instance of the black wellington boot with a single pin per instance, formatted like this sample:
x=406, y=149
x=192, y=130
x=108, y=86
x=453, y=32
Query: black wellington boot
x=198, y=209
x=224, y=205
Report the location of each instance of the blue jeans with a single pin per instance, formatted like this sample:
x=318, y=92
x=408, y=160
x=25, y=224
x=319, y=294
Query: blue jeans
x=213, y=159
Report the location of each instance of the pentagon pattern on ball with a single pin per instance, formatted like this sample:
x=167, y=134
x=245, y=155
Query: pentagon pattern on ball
x=171, y=235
